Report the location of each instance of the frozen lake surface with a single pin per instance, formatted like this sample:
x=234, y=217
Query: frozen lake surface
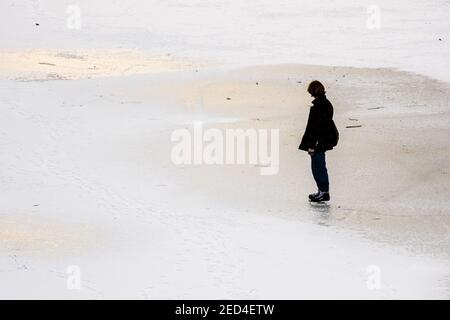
x=89, y=194
x=410, y=35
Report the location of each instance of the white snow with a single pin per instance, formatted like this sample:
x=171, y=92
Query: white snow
x=87, y=179
x=245, y=32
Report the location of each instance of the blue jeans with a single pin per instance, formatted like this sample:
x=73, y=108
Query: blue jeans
x=319, y=171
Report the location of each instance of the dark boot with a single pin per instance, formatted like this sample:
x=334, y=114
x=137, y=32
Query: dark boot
x=313, y=195
x=322, y=196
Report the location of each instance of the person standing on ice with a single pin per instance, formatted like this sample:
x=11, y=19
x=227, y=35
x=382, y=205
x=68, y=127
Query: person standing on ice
x=320, y=136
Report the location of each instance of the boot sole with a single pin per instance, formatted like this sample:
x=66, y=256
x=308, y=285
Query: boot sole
x=314, y=200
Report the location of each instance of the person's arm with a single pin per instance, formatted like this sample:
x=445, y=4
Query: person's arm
x=313, y=126
x=318, y=121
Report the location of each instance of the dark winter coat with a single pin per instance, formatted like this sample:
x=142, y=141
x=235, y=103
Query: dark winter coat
x=321, y=133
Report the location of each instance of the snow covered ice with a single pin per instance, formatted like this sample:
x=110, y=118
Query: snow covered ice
x=92, y=205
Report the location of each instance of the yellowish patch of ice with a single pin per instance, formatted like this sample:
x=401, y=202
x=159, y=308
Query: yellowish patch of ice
x=58, y=64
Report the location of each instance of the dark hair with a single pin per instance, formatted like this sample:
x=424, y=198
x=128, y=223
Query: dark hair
x=316, y=88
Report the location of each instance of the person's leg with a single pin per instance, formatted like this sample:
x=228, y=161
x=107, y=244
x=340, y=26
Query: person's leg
x=320, y=168
x=321, y=177
x=315, y=169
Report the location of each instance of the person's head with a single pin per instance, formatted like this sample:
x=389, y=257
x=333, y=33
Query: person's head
x=316, y=89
